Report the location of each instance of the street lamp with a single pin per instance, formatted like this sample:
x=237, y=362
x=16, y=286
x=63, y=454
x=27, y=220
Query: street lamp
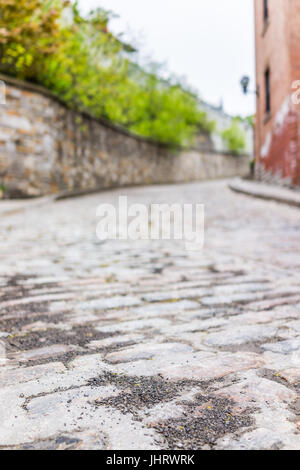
x=245, y=81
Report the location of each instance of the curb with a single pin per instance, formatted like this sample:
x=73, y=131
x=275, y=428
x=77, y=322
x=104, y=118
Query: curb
x=266, y=192
x=27, y=204
x=24, y=206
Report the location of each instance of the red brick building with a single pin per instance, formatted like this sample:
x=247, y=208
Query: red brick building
x=277, y=133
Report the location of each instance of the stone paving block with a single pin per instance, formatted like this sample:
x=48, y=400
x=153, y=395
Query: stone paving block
x=44, y=326
x=153, y=366
x=295, y=325
x=279, y=361
x=49, y=416
x=241, y=334
x=162, y=412
x=4, y=334
x=155, y=323
x=122, y=432
x=44, y=353
x=272, y=303
x=47, y=386
x=3, y=356
x=196, y=325
x=82, y=318
x=41, y=406
x=227, y=290
x=58, y=307
x=77, y=440
x=147, y=351
x=166, y=308
x=41, y=280
x=283, y=347
x=255, y=391
x=109, y=303
x=196, y=340
x=202, y=313
x=264, y=316
x=230, y=299
x=26, y=374
x=115, y=340
x=259, y=439
x=35, y=299
x=176, y=295
x=213, y=368
x=269, y=400
x=292, y=376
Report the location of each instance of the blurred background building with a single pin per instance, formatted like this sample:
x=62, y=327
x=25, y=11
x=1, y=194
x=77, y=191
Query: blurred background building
x=277, y=132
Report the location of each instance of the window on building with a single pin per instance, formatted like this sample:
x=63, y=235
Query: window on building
x=266, y=11
x=268, y=91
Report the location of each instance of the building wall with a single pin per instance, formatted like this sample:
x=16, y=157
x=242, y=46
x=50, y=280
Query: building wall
x=47, y=148
x=277, y=146
x=295, y=68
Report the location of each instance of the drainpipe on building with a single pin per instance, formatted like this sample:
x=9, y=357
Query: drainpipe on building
x=245, y=81
x=257, y=132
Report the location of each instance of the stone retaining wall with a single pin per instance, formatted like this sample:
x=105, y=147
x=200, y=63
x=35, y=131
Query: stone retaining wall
x=47, y=148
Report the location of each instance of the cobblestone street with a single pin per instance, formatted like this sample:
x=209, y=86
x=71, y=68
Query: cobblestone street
x=144, y=345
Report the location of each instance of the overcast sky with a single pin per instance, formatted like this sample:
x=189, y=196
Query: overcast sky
x=210, y=42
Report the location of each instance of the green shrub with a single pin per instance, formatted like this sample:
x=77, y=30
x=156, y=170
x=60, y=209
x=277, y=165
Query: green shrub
x=235, y=137
x=2, y=190
x=29, y=32
x=89, y=69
